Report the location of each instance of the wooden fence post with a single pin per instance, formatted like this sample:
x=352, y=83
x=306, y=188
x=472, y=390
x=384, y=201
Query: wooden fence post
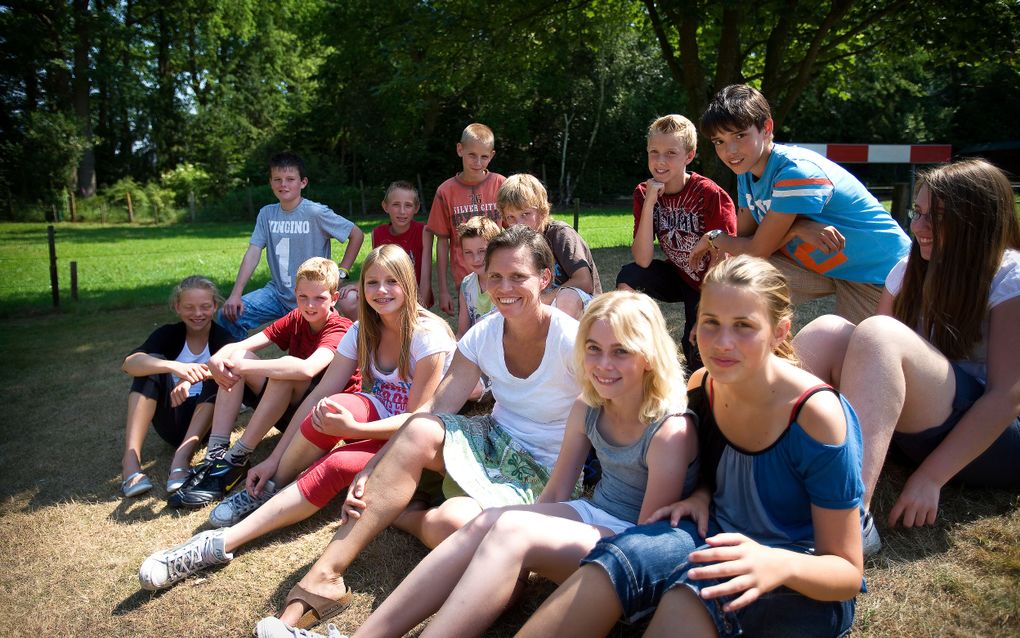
x=51, y=239
x=74, y=281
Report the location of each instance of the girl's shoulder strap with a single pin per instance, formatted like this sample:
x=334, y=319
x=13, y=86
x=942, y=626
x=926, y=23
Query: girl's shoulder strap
x=656, y=425
x=807, y=394
x=591, y=419
x=711, y=442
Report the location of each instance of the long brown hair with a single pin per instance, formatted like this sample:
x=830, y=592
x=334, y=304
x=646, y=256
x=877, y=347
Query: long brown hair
x=395, y=261
x=973, y=219
x=764, y=280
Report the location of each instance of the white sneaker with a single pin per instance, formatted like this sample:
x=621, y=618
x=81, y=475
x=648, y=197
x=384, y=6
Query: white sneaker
x=273, y=627
x=871, y=543
x=239, y=505
x=169, y=566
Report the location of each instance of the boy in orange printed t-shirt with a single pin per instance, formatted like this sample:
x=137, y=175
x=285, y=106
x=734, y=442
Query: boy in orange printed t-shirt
x=469, y=193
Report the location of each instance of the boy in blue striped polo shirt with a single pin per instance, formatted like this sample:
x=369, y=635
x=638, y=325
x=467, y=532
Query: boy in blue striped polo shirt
x=809, y=216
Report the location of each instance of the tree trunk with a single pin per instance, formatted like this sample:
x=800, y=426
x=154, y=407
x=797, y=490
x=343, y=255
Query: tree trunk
x=563, y=159
x=86, y=174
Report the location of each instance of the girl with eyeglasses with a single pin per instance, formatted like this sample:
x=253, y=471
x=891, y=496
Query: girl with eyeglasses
x=937, y=372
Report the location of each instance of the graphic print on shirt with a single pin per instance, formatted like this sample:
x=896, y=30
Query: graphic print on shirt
x=392, y=395
x=464, y=212
x=683, y=230
x=807, y=255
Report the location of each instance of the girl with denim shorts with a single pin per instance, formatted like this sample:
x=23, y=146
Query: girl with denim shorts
x=778, y=553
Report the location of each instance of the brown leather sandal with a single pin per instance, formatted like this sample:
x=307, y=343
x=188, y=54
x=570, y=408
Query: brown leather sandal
x=320, y=608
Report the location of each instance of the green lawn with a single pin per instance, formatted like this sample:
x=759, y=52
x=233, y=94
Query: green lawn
x=75, y=545
x=121, y=266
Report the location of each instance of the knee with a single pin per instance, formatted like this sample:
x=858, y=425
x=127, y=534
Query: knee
x=569, y=302
x=510, y=528
x=827, y=329
x=422, y=433
x=878, y=333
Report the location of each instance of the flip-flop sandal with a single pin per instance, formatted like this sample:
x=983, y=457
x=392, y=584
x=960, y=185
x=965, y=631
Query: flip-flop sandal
x=320, y=608
x=140, y=487
x=174, y=484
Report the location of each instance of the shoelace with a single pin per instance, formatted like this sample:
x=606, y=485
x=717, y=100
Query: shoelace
x=244, y=503
x=190, y=557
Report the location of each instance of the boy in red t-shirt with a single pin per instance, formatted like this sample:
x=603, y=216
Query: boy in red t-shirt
x=468, y=193
x=309, y=335
x=676, y=207
x=401, y=203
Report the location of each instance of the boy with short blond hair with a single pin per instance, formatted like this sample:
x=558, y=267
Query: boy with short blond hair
x=291, y=231
x=807, y=215
x=401, y=203
x=475, y=235
x=676, y=207
x=467, y=194
x=309, y=335
x=522, y=199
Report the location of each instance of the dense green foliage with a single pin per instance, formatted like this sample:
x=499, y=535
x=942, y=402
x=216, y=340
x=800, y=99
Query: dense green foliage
x=180, y=102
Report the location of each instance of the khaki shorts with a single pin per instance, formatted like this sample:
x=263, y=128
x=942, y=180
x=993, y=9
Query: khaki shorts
x=855, y=301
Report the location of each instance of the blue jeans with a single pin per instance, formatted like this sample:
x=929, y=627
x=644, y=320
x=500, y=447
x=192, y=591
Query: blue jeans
x=260, y=307
x=647, y=561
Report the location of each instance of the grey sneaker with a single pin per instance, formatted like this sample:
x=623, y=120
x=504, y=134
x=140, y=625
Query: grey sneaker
x=169, y=566
x=870, y=541
x=273, y=627
x=239, y=505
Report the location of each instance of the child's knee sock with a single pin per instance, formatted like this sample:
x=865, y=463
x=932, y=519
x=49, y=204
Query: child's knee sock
x=218, y=443
x=239, y=453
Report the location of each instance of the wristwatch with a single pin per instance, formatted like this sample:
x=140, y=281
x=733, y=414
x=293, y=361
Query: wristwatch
x=711, y=235
x=344, y=273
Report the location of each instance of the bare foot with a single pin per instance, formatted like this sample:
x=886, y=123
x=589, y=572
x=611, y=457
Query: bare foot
x=332, y=589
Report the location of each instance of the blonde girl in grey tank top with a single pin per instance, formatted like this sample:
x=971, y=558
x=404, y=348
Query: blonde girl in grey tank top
x=633, y=408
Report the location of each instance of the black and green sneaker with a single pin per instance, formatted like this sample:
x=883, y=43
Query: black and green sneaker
x=212, y=480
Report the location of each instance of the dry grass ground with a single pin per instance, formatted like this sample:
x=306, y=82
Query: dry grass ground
x=71, y=545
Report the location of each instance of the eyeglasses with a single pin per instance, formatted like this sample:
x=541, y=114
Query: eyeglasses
x=915, y=215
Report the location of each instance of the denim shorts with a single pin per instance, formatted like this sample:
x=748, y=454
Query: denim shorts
x=261, y=306
x=996, y=467
x=646, y=561
x=581, y=294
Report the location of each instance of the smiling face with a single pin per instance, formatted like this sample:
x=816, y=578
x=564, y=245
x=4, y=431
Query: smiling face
x=668, y=160
x=513, y=282
x=734, y=332
x=744, y=150
x=287, y=185
x=382, y=290
x=196, y=307
x=613, y=370
x=401, y=205
x=315, y=301
x=921, y=226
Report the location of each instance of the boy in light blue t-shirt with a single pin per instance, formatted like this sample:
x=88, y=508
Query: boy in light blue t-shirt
x=291, y=232
x=809, y=216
